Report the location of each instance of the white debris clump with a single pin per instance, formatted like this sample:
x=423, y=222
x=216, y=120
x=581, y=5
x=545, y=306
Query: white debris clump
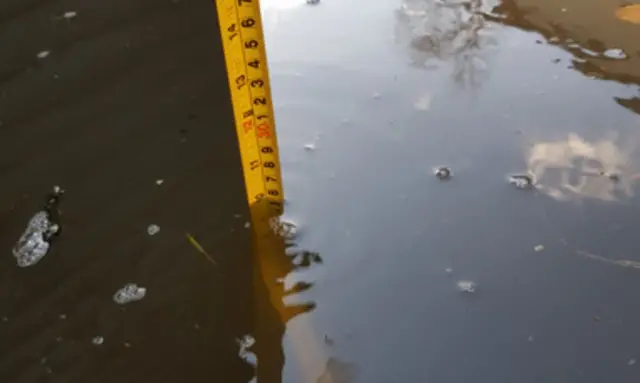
x=131, y=292
x=153, y=229
x=43, y=54
x=538, y=248
x=244, y=345
x=467, y=286
x=284, y=229
x=69, y=15
x=521, y=181
x=97, y=340
x=615, y=54
x=310, y=147
x=33, y=245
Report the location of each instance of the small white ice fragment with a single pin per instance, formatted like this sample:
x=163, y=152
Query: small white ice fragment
x=521, y=181
x=448, y=270
x=284, y=229
x=631, y=362
x=530, y=339
x=467, y=286
x=33, y=245
x=443, y=173
x=615, y=53
x=159, y=182
x=247, y=225
x=69, y=15
x=97, y=340
x=153, y=229
x=43, y=54
x=538, y=248
x=129, y=293
x=376, y=96
x=244, y=345
x=310, y=147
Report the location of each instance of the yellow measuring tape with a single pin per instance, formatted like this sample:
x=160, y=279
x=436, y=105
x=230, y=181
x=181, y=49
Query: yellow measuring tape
x=248, y=73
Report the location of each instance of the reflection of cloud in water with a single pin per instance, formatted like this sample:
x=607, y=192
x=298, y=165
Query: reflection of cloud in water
x=575, y=168
x=439, y=30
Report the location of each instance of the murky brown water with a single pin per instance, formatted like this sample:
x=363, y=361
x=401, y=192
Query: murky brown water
x=394, y=275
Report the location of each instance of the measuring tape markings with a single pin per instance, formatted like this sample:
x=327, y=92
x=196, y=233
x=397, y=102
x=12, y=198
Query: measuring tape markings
x=247, y=69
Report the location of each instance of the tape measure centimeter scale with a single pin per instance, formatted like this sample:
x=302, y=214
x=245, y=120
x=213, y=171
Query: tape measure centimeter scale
x=247, y=71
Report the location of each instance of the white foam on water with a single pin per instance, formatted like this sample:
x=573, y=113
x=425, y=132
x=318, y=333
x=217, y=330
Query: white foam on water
x=131, y=292
x=33, y=245
x=153, y=229
x=467, y=286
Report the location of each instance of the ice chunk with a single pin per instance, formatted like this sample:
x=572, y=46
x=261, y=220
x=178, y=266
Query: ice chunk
x=33, y=245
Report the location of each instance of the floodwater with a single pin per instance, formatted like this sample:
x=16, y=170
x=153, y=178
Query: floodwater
x=468, y=279
x=393, y=274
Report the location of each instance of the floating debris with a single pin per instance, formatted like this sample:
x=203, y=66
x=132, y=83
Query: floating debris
x=62, y=316
x=284, y=229
x=244, y=344
x=538, y=248
x=443, y=173
x=467, y=286
x=310, y=147
x=521, y=181
x=201, y=249
x=69, y=15
x=131, y=292
x=247, y=225
x=153, y=229
x=97, y=340
x=448, y=270
x=42, y=229
x=159, y=182
x=631, y=362
x=620, y=262
x=43, y=54
x=615, y=54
